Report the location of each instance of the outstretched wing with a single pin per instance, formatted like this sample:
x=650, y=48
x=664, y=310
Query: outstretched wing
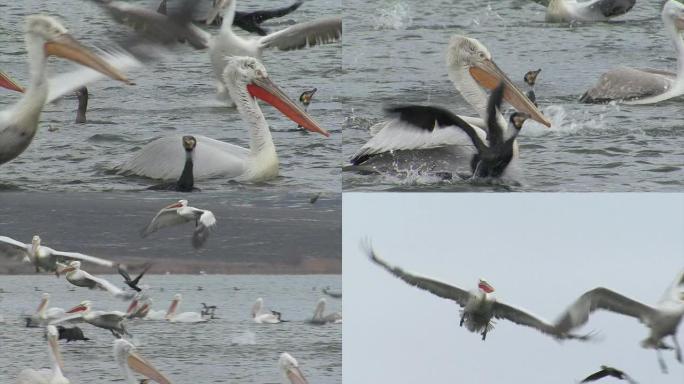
x=518, y=316
x=107, y=286
x=595, y=376
x=82, y=257
x=303, y=35
x=435, y=287
x=167, y=217
x=14, y=245
x=205, y=222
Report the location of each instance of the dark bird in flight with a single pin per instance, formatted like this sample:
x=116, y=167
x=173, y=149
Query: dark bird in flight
x=608, y=371
x=133, y=283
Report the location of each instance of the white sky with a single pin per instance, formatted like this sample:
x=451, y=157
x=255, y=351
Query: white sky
x=540, y=252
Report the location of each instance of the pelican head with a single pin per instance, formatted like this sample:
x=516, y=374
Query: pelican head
x=673, y=14
x=180, y=203
x=189, y=143
x=72, y=266
x=466, y=55
x=290, y=369
x=53, y=343
x=484, y=286
x=84, y=306
x=174, y=306
x=57, y=41
x=247, y=73
x=518, y=119
x=35, y=241
x=128, y=358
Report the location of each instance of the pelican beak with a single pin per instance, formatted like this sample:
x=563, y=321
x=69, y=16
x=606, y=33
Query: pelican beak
x=54, y=346
x=78, y=308
x=67, y=47
x=174, y=205
x=131, y=307
x=489, y=76
x=296, y=376
x=68, y=269
x=143, y=367
x=7, y=82
x=264, y=89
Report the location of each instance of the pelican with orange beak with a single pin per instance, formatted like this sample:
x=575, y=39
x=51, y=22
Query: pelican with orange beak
x=289, y=367
x=247, y=81
x=51, y=376
x=45, y=37
x=130, y=360
x=473, y=72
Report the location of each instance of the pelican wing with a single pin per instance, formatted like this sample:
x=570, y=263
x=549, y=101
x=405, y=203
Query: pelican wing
x=164, y=159
x=82, y=257
x=418, y=127
x=518, y=316
x=107, y=286
x=433, y=286
x=70, y=318
x=675, y=292
x=32, y=376
x=167, y=217
x=68, y=82
x=625, y=83
x=600, y=298
x=303, y=35
x=205, y=222
x=16, y=245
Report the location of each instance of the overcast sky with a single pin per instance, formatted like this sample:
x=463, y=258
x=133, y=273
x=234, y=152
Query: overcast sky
x=540, y=252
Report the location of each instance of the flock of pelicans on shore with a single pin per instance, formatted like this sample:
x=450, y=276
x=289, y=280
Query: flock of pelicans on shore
x=140, y=308
x=480, y=307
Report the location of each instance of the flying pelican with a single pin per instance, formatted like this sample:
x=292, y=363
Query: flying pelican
x=661, y=319
x=114, y=321
x=472, y=71
x=43, y=314
x=479, y=306
x=8, y=83
x=47, y=376
x=246, y=80
x=608, y=371
x=80, y=278
x=643, y=85
x=45, y=37
x=181, y=213
x=289, y=368
x=261, y=316
x=128, y=359
x=319, y=318
x=494, y=155
x=560, y=11
x=46, y=258
x=184, y=317
x=186, y=181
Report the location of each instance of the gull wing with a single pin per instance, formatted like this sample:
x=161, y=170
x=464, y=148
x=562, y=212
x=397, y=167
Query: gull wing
x=601, y=298
x=303, y=35
x=433, y=286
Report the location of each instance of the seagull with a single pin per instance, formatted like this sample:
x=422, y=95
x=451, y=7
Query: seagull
x=181, y=213
x=127, y=278
x=80, y=278
x=608, y=371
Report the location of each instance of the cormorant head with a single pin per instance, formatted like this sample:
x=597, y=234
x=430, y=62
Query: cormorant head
x=518, y=119
x=306, y=96
x=531, y=77
x=189, y=143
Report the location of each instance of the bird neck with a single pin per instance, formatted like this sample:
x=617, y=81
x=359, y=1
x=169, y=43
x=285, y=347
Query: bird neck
x=186, y=180
x=33, y=100
x=320, y=308
x=228, y=17
x=57, y=375
x=678, y=42
x=82, y=106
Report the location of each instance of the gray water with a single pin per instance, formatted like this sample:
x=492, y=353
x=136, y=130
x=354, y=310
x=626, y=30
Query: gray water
x=176, y=96
x=394, y=53
x=231, y=349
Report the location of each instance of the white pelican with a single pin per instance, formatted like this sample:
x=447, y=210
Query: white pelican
x=140, y=306
x=227, y=44
x=43, y=314
x=45, y=36
x=472, y=71
x=46, y=258
x=114, y=321
x=262, y=316
x=480, y=306
x=644, y=85
x=80, y=278
x=289, y=368
x=181, y=213
x=661, y=319
x=184, y=317
x=47, y=376
x=559, y=11
x=320, y=318
x=246, y=80
x=128, y=359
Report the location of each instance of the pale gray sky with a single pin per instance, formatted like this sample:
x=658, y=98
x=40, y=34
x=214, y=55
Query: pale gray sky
x=540, y=252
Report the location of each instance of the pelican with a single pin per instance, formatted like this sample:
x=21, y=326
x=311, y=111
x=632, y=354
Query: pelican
x=333, y=294
x=184, y=317
x=139, y=307
x=128, y=359
x=472, y=71
x=644, y=85
x=607, y=371
x=7, y=82
x=661, y=319
x=246, y=80
x=114, y=321
x=560, y=11
x=260, y=316
x=45, y=36
x=181, y=213
x=227, y=44
x=319, y=318
x=47, y=376
x=480, y=306
x=80, y=278
x=44, y=314
x=46, y=258
x=186, y=181
x=289, y=368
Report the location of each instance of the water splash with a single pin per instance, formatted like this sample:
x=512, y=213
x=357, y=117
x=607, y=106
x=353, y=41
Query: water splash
x=394, y=17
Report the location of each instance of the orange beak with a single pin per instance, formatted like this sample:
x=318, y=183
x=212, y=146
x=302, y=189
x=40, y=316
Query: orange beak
x=7, y=82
